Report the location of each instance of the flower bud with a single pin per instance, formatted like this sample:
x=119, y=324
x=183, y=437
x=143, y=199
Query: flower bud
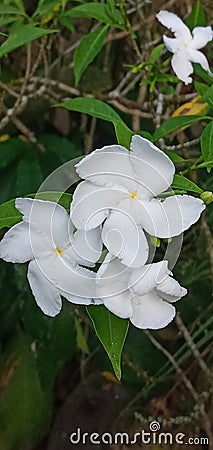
x=207, y=197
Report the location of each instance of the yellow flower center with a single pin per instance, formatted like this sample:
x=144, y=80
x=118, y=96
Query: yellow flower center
x=133, y=195
x=186, y=45
x=59, y=251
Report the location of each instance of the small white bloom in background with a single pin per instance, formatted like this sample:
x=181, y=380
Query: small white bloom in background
x=120, y=190
x=144, y=295
x=45, y=238
x=186, y=45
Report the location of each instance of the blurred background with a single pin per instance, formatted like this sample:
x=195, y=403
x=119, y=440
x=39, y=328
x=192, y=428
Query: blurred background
x=54, y=373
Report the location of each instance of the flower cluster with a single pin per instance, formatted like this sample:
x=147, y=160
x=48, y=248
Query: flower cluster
x=186, y=45
x=123, y=200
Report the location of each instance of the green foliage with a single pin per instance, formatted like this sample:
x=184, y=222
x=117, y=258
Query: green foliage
x=197, y=17
x=207, y=143
x=181, y=182
x=112, y=331
x=101, y=110
x=201, y=88
x=21, y=35
x=87, y=50
x=208, y=96
x=98, y=11
x=25, y=410
x=174, y=124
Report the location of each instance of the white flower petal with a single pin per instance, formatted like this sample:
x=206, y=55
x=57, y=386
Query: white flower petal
x=182, y=66
x=85, y=248
x=175, y=24
x=108, y=166
x=198, y=57
x=172, y=216
x=112, y=278
x=47, y=218
x=91, y=203
x=124, y=239
x=46, y=294
x=70, y=278
x=169, y=289
x=15, y=246
x=201, y=36
x=150, y=311
x=112, y=287
x=155, y=171
x=120, y=305
x=145, y=279
x=172, y=44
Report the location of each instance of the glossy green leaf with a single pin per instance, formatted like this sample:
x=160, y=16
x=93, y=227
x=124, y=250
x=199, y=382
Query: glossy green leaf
x=202, y=73
x=87, y=50
x=181, y=182
x=155, y=53
x=207, y=143
x=112, y=331
x=175, y=158
x=208, y=96
x=22, y=35
x=201, y=88
x=101, y=110
x=9, y=215
x=99, y=12
x=197, y=17
x=174, y=124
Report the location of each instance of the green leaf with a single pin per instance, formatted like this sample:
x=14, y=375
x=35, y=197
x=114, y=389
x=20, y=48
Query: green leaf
x=202, y=73
x=155, y=53
x=175, y=123
x=67, y=23
x=25, y=409
x=9, y=215
x=7, y=9
x=22, y=35
x=175, y=158
x=46, y=6
x=63, y=148
x=90, y=10
x=97, y=11
x=181, y=182
x=197, y=17
x=9, y=150
x=101, y=110
x=29, y=175
x=112, y=331
x=201, y=88
x=208, y=96
x=207, y=143
x=87, y=50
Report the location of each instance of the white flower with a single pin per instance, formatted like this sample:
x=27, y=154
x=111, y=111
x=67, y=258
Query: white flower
x=120, y=190
x=144, y=295
x=46, y=239
x=185, y=46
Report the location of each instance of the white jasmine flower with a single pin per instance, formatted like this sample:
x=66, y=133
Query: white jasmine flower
x=144, y=295
x=45, y=238
x=121, y=189
x=185, y=46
